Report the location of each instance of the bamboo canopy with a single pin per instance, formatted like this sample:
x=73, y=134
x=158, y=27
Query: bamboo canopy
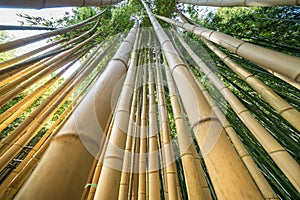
x=228, y=3
x=147, y=114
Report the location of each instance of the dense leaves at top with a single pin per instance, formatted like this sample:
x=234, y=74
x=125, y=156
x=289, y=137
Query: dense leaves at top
x=275, y=27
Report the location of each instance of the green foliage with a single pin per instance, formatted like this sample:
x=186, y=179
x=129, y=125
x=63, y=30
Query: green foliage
x=272, y=27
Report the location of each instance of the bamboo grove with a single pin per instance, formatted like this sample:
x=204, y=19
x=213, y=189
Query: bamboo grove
x=182, y=112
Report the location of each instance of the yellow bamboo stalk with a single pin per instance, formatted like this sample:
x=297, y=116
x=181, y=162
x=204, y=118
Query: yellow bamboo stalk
x=28, y=54
x=280, y=156
x=68, y=140
x=13, y=72
x=134, y=175
x=52, y=3
x=219, y=155
x=229, y=3
x=4, y=144
x=21, y=42
x=194, y=177
x=280, y=105
x=282, y=63
x=42, y=71
x=129, y=148
x=18, y=108
x=18, y=176
x=287, y=80
x=89, y=191
x=255, y=172
x=108, y=184
x=8, y=77
x=41, y=115
x=13, y=112
x=153, y=166
x=167, y=147
x=143, y=138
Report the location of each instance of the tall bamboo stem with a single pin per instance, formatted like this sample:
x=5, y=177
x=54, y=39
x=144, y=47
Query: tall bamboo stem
x=154, y=186
x=194, y=176
x=143, y=137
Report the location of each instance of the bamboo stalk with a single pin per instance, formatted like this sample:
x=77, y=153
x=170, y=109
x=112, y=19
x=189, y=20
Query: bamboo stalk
x=21, y=42
x=229, y=3
x=41, y=115
x=98, y=162
x=131, y=135
x=276, y=61
x=153, y=166
x=280, y=156
x=167, y=148
x=255, y=172
x=17, y=133
x=28, y=54
x=93, y=113
x=194, y=176
x=40, y=72
x=21, y=106
x=52, y=3
x=218, y=153
x=108, y=184
x=143, y=137
x=12, y=70
x=280, y=105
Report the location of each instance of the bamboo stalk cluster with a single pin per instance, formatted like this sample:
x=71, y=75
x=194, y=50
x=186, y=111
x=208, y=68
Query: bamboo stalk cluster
x=145, y=127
